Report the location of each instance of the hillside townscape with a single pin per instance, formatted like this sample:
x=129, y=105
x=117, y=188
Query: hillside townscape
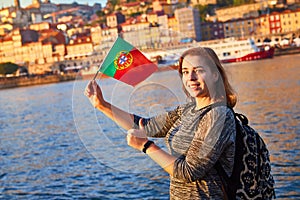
x=48, y=38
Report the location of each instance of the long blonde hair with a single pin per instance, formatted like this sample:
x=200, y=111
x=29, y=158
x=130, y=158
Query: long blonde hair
x=222, y=83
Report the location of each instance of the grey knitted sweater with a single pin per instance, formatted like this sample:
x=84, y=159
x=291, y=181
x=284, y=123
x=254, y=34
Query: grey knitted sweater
x=198, y=142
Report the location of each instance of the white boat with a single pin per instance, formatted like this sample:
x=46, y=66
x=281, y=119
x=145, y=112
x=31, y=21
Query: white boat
x=231, y=50
x=228, y=50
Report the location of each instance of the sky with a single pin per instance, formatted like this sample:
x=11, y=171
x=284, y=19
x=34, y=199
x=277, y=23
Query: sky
x=24, y=3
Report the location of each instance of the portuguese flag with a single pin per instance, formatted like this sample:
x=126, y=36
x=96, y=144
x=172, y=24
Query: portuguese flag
x=127, y=64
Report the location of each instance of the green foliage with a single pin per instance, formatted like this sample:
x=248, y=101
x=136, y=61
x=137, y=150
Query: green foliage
x=114, y=2
x=204, y=10
x=241, y=2
x=226, y=3
x=8, y=68
x=100, y=13
x=136, y=14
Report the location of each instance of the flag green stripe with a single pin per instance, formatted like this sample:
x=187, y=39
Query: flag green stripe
x=108, y=67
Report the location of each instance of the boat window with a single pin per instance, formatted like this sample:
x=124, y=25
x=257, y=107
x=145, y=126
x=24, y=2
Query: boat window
x=226, y=54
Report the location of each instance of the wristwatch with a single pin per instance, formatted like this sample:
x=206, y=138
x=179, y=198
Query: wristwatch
x=147, y=145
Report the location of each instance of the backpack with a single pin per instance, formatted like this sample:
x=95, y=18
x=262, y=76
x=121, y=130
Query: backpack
x=251, y=177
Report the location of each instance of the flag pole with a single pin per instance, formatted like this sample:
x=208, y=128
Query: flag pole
x=104, y=59
x=96, y=75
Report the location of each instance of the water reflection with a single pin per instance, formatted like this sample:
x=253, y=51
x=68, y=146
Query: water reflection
x=269, y=94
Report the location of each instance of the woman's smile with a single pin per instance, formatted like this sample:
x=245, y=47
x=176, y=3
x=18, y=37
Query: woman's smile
x=194, y=86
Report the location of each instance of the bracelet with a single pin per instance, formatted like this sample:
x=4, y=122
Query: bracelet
x=147, y=145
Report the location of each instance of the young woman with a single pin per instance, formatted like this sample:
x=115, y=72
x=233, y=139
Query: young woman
x=198, y=134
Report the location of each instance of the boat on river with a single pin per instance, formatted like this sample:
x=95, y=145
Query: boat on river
x=228, y=50
x=231, y=50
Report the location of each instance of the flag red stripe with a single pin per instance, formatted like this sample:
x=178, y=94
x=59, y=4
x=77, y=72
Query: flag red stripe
x=138, y=74
x=139, y=70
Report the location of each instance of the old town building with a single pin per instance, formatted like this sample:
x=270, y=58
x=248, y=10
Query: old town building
x=189, y=23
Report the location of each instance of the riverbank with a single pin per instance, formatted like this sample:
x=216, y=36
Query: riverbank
x=11, y=82
x=286, y=51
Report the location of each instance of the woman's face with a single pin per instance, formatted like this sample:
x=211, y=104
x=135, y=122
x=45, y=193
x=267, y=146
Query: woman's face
x=197, y=76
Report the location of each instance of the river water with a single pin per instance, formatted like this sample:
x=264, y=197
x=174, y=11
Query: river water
x=55, y=145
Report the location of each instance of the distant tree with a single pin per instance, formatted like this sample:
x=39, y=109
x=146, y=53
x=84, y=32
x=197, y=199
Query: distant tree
x=204, y=10
x=8, y=68
x=100, y=13
x=241, y=2
x=135, y=14
x=250, y=1
x=114, y=2
x=224, y=3
x=238, y=2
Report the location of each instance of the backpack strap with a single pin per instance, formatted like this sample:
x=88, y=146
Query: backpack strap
x=228, y=193
x=241, y=118
x=231, y=183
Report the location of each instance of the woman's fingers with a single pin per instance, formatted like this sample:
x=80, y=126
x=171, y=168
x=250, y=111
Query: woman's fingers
x=141, y=125
x=91, y=89
x=88, y=90
x=94, y=86
x=138, y=133
x=136, y=138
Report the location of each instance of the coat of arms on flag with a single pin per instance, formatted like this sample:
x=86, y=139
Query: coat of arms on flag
x=123, y=60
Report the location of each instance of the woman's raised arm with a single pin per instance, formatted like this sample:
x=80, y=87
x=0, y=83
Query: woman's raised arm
x=121, y=117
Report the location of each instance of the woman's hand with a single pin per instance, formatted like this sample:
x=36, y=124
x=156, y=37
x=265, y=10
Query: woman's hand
x=136, y=138
x=94, y=93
